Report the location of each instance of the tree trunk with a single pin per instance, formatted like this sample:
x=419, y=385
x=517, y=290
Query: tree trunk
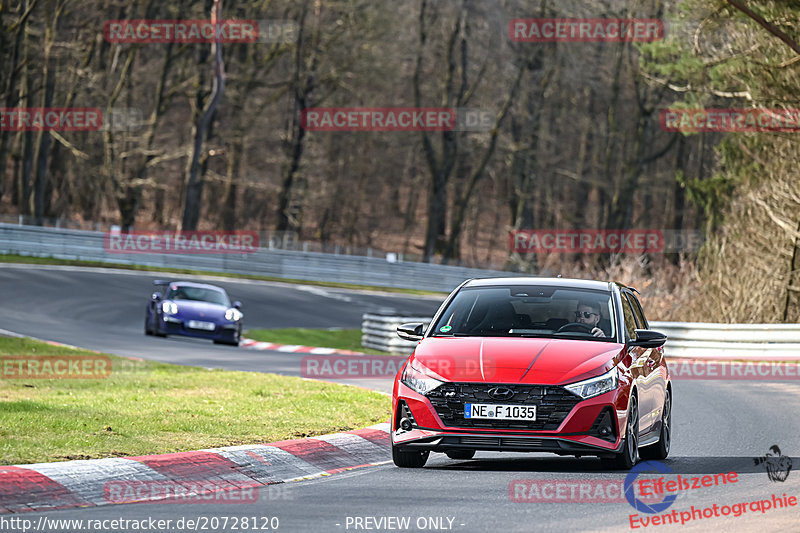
x=440, y=168
x=134, y=197
x=40, y=187
x=460, y=208
x=304, y=82
x=12, y=96
x=288, y=218
x=27, y=138
x=235, y=150
x=193, y=195
x=791, y=308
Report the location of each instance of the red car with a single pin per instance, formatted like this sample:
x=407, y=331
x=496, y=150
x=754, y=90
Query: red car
x=534, y=365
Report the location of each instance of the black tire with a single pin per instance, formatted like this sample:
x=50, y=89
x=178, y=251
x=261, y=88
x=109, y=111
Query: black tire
x=156, y=331
x=461, y=455
x=409, y=459
x=660, y=450
x=629, y=456
x=147, y=331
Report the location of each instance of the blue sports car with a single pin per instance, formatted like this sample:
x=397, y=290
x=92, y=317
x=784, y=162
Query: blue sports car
x=193, y=310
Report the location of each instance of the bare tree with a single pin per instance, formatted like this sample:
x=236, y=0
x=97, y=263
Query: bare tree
x=193, y=194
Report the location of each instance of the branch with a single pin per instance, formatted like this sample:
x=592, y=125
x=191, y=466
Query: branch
x=765, y=24
x=656, y=155
x=24, y=16
x=75, y=151
x=688, y=88
x=788, y=228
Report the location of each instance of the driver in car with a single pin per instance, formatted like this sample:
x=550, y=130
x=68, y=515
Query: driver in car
x=589, y=313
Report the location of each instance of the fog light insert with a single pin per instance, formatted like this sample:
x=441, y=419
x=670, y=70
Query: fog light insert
x=405, y=418
x=604, y=426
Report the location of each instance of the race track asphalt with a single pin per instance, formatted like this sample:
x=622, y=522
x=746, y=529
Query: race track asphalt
x=103, y=310
x=719, y=427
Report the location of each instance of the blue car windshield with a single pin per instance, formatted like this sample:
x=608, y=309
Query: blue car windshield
x=529, y=311
x=198, y=294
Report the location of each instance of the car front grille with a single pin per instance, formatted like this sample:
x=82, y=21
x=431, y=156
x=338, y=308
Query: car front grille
x=502, y=442
x=553, y=404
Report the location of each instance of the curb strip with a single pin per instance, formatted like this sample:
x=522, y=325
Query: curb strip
x=251, y=344
x=229, y=470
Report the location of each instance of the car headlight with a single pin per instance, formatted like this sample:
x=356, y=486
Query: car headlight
x=594, y=386
x=169, y=308
x=415, y=379
x=233, y=314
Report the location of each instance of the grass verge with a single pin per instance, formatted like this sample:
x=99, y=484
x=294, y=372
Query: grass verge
x=340, y=339
x=146, y=407
x=30, y=260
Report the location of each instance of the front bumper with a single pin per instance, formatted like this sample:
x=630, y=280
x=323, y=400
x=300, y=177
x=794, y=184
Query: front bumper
x=177, y=326
x=444, y=441
x=578, y=430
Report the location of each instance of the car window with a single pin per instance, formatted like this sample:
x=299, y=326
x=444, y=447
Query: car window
x=200, y=294
x=637, y=311
x=628, y=317
x=536, y=311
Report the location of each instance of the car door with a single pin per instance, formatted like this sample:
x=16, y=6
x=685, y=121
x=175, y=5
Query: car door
x=657, y=377
x=640, y=370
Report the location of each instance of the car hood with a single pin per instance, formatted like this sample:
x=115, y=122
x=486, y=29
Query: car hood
x=516, y=360
x=195, y=310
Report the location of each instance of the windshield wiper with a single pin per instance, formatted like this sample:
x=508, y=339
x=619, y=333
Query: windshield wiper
x=579, y=337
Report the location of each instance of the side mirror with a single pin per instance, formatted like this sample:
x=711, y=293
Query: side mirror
x=411, y=332
x=156, y=296
x=647, y=338
x=237, y=305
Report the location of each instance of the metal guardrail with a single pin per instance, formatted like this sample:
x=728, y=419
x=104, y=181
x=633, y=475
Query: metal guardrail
x=379, y=332
x=753, y=342
x=696, y=340
x=62, y=243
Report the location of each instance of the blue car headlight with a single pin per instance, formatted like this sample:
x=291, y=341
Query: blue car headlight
x=595, y=386
x=169, y=308
x=233, y=315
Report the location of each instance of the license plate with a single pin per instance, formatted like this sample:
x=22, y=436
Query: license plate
x=198, y=324
x=500, y=412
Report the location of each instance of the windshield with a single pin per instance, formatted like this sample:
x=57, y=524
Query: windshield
x=529, y=311
x=199, y=294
